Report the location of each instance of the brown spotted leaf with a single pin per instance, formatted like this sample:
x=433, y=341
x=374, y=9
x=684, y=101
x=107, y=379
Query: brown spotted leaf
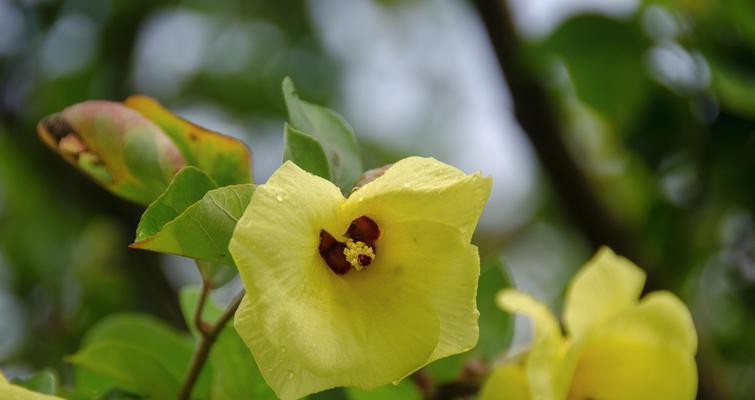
x=116, y=146
x=225, y=159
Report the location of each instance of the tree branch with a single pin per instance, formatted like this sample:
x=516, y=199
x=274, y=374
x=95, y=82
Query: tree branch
x=538, y=118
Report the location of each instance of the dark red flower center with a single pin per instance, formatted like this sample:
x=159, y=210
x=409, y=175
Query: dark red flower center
x=362, y=229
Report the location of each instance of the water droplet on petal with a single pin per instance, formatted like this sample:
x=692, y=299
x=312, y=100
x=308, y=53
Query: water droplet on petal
x=283, y=349
x=290, y=375
x=269, y=369
x=407, y=185
x=280, y=196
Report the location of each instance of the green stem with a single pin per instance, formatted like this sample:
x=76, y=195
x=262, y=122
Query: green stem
x=207, y=336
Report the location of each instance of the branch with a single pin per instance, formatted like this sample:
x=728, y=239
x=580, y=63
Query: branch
x=538, y=118
x=208, y=335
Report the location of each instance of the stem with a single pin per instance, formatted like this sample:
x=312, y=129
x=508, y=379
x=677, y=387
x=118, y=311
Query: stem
x=207, y=336
x=198, y=322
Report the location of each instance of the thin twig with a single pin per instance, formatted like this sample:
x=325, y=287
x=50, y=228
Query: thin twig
x=199, y=323
x=207, y=336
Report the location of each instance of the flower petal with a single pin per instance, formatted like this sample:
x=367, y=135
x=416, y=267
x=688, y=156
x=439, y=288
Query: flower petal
x=621, y=366
x=417, y=188
x=607, y=285
x=308, y=328
x=645, y=352
x=444, y=267
x=346, y=340
x=507, y=382
x=548, y=349
x=661, y=317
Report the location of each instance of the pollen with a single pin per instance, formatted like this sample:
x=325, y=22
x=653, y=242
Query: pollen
x=358, y=254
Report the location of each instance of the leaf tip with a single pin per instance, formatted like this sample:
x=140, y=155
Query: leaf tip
x=288, y=86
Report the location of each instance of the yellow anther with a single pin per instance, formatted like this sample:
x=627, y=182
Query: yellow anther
x=358, y=254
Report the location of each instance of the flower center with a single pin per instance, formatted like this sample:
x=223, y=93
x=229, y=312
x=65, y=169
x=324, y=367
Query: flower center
x=357, y=252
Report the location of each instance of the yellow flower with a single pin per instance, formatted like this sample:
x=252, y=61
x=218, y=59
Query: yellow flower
x=13, y=392
x=358, y=291
x=617, y=346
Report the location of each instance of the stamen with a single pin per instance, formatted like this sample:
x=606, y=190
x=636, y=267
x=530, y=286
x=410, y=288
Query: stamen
x=358, y=254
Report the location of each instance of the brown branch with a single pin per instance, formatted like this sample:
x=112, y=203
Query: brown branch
x=199, y=323
x=538, y=118
x=207, y=336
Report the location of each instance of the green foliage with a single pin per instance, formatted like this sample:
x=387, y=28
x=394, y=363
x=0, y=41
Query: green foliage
x=496, y=326
x=188, y=187
x=734, y=86
x=310, y=125
x=609, y=73
x=305, y=151
x=115, y=146
x=44, y=381
x=130, y=366
x=134, y=149
x=193, y=218
x=136, y=353
x=222, y=157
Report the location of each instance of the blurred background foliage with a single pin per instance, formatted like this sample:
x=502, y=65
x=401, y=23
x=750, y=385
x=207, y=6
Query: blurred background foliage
x=655, y=101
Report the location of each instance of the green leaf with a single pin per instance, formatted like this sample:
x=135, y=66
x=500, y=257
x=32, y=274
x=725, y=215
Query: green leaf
x=44, y=381
x=190, y=220
x=94, y=385
x=119, y=351
x=330, y=130
x=131, y=366
x=496, y=326
x=405, y=390
x=448, y=368
x=235, y=374
x=609, y=73
x=187, y=188
x=305, y=151
x=734, y=85
x=227, y=160
x=216, y=274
